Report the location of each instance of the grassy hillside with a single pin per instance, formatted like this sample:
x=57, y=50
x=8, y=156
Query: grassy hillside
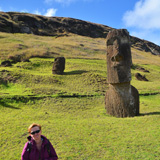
x=70, y=107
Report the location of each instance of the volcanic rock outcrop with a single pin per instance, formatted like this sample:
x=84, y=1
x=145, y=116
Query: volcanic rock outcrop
x=121, y=99
x=6, y=63
x=16, y=22
x=140, y=77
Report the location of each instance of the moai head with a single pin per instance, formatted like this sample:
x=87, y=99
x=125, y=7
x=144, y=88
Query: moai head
x=58, y=65
x=118, y=56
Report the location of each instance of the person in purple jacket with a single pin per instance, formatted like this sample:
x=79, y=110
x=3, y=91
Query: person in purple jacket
x=38, y=146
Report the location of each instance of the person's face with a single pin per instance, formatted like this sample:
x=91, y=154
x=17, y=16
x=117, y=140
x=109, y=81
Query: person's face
x=35, y=133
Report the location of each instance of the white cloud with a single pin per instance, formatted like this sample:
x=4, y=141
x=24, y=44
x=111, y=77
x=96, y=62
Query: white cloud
x=0, y=9
x=144, y=20
x=51, y=12
x=149, y=35
x=37, y=12
x=145, y=15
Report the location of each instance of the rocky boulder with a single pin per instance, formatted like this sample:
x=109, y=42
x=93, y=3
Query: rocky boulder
x=6, y=63
x=140, y=77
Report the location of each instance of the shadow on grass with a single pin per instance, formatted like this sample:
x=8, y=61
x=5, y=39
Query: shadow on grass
x=75, y=96
x=7, y=105
x=75, y=72
x=4, y=83
x=151, y=113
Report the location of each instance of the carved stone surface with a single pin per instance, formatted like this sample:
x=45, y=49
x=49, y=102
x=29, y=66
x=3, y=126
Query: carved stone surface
x=58, y=65
x=121, y=99
x=118, y=56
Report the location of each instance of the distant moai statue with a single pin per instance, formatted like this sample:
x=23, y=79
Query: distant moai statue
x=58, y=65
x=121, y=99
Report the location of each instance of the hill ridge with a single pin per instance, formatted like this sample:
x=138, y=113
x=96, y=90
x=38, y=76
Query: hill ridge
x=17, y=22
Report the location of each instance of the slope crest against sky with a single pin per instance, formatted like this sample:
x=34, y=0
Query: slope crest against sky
x=140, y=17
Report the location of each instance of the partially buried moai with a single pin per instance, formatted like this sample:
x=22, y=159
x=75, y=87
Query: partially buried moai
x=58, y=65
x=121, y=99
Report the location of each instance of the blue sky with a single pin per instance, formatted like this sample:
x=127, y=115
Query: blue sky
x=140, y=17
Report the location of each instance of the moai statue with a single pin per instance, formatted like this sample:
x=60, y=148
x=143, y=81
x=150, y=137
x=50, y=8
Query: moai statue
x=121, y=99
x=58, y=65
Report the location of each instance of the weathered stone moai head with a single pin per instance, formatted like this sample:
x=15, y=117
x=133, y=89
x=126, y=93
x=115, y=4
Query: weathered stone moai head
x=58, y=65
x=118, y=56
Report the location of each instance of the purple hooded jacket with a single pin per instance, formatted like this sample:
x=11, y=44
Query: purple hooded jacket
x=34, y=154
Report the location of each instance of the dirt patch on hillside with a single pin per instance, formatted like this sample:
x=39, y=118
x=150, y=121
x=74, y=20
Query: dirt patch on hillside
x=6, y=76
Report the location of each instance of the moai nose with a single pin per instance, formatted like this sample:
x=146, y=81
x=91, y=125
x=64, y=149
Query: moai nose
x=117, y=58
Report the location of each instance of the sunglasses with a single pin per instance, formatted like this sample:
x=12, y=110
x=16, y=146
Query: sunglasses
x=35, y=132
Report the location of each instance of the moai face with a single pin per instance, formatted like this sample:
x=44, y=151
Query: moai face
x=118, y=56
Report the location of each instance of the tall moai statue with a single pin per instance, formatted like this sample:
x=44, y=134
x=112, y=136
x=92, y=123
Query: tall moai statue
x=121, y=99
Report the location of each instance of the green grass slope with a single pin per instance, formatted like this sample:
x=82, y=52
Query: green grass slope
x=70, y=107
